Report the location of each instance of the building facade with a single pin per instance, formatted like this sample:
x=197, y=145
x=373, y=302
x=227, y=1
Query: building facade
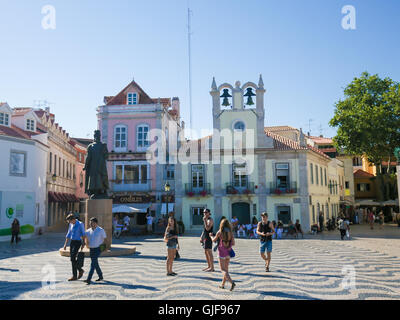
x=126, y=122
x=60, y=172
x=23, y=156
x=245, y=168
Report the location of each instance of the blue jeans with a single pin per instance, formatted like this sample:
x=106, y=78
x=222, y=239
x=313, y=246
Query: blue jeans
x=94, y=255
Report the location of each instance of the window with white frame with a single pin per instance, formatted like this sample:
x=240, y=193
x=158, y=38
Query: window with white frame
x=4, y=119
x=132, y=174
x=282, y=175
x=120, y=137
x=239, y=175
x=18, y=163
x=198, y=175
x=143, y=136
x=30, y=124
x=132, y=98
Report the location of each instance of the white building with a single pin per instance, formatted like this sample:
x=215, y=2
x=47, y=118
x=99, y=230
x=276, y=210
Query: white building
x=23, y=161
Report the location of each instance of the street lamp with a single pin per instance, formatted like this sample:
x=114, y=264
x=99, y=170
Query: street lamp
x=167, y=187
x=54, y=177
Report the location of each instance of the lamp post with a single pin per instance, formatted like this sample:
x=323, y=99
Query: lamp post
x=167, y=187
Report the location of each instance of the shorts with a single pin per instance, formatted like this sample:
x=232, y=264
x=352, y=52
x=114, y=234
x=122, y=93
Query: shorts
x=223, y=258
x=267, y=245
x=171, y=246
x=207, y=244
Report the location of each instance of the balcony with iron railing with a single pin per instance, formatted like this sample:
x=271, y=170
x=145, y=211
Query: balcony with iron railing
x=192, y=190
x=143, y=185
x=283, y=188
x=235, y=188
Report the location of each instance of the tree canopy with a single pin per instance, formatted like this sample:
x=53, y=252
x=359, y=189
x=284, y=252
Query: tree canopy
x=368, y=118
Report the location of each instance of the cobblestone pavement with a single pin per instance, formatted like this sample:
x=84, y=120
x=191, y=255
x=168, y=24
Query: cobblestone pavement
x=309, y=268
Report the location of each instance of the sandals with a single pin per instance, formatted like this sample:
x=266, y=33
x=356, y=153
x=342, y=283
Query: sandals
x=221, y=287
x=266, y=269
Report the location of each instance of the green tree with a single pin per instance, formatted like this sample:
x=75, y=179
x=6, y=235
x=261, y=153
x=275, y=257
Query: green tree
x=368, y=120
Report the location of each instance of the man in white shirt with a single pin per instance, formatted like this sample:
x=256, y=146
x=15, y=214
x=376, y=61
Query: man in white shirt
x=149, y=223
x=127, y=222
x=94, y=239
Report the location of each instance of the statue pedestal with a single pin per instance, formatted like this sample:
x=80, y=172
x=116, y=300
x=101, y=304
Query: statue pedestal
x=102, y=210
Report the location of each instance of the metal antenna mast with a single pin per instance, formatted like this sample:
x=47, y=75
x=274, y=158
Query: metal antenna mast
x=190, y=68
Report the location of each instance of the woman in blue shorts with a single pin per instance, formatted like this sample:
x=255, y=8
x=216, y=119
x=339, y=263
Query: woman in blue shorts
x=171, y=238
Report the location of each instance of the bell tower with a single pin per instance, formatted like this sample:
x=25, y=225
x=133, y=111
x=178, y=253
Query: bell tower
x=234, y=108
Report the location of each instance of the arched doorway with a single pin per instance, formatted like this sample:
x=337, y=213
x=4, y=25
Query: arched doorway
x=242, y=212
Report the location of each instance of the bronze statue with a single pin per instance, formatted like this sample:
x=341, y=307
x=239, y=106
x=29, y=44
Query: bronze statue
x=96, y=180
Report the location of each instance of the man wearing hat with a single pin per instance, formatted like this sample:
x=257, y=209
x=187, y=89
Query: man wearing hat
x=76, y=232
x=94, y=239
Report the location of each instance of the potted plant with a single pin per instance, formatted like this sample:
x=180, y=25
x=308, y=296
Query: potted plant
x=247, y=191
x=190, y=193
x=203, y=193
x=278, y=191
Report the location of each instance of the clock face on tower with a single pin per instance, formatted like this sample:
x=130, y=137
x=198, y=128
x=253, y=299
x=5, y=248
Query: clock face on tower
x=239, y=126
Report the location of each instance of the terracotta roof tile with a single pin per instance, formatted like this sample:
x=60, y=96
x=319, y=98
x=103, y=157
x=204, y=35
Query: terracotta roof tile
x=283, y=143
x=280, y=128
x=362, y=174
x=14, y=131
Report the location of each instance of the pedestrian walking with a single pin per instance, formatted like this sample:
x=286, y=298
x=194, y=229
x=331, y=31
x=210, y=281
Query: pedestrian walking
x=381, y=220
x=226, y=242
x=371, y=219
x=342, y=227
x=321, y=222
x=76, y=233
x=95, y=236
x=206, y=240
x=171, y=238
x=15, y=230
x=149, y=219
x=265, y=230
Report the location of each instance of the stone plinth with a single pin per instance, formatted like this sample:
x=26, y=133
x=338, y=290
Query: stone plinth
x=116, y=250
x=102, y=210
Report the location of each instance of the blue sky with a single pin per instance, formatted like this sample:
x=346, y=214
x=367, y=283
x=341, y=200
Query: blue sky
x=305, y=56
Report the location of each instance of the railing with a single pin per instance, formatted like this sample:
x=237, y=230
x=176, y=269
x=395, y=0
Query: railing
x=232, y=188
x=130, y=185
x=283, y=188
x=191, y=190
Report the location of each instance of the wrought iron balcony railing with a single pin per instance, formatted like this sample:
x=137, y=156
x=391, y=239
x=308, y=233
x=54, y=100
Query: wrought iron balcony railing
x=196, y=190
x=232, y=188
x=283, y=188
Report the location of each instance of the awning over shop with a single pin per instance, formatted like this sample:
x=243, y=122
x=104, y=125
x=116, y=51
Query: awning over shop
x=164, y=207
x=61, y=197
x=391, y=203
x=367, y=202
x=131, y=208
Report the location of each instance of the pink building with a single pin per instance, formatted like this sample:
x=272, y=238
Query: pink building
x=125, y=121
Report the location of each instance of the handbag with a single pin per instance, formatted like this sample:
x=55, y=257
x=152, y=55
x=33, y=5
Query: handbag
x=177, y=255
x=232, y=253
x=80, y=259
